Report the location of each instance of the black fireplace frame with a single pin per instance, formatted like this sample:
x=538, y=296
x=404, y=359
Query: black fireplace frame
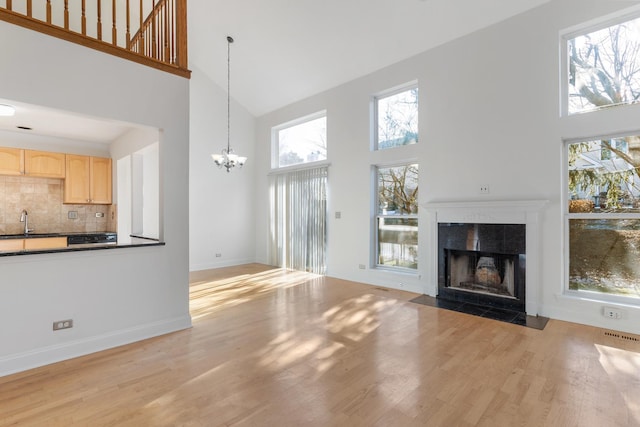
x=502, y=239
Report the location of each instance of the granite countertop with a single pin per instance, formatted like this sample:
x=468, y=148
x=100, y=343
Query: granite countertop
x=42, y=235
x=122, y=242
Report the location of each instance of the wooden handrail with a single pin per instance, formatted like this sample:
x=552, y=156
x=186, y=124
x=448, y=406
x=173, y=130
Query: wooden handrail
x=160, y=41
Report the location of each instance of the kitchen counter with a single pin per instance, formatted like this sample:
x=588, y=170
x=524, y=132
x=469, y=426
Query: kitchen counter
x=122, y=242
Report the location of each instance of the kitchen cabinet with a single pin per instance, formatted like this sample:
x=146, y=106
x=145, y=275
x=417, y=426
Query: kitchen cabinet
x=88, y=180
x=11, y=244
x=35, y=243
x=42, y=164
x=11, y=161
x=45, y=243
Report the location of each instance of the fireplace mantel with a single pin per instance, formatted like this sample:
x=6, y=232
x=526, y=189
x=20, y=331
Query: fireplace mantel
x=525, y=212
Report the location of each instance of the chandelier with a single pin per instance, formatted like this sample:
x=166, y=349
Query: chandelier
x=228, y=159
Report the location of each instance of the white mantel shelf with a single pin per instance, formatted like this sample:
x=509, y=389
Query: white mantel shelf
x=525, y=212
x=485, y=211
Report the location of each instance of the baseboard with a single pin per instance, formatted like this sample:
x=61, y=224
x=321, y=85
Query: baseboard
x=220, y=264
x=19, y=362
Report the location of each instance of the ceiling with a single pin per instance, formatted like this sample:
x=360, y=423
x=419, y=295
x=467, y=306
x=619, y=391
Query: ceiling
x=287, y=50
x=60, y=124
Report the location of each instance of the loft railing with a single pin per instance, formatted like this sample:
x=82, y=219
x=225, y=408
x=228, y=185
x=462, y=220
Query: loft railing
x=159, y=27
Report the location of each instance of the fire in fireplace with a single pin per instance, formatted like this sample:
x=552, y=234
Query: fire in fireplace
x=482, y=264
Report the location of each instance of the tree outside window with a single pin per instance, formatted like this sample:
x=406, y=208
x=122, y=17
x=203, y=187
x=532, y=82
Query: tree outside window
x=603, y=218
x=603, y=206
x=397, y=217
x=604, y=67
x=397, y=119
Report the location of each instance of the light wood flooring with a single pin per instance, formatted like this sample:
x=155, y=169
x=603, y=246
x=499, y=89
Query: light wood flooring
x=276, y=348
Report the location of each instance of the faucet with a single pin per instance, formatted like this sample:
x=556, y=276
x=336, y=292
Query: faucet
x=24, y=217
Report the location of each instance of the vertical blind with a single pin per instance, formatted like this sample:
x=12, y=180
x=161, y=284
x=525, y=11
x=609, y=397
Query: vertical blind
x=298, y=220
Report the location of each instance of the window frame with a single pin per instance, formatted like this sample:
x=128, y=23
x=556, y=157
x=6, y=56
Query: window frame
x=597, y=24
x=568, y=216
x=377, y=216
x=275, y=142
x=374, y=112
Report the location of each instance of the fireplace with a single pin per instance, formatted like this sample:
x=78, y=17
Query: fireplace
x=482, y=264
x=507, y=231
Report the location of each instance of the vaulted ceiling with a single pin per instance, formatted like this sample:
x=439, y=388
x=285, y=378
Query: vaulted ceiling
x=287, y=50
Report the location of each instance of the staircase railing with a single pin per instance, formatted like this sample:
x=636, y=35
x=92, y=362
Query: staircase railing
x=159, y=27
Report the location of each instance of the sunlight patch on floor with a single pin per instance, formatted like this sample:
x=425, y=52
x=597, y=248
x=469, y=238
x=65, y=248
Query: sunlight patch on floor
x=622, y=365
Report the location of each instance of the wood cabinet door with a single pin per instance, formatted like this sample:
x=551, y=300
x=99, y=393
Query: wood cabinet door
x=11, y=244
x=76, y=184
x=44, y=164
x=101, y=180
x=11, y=161
x=45, y=243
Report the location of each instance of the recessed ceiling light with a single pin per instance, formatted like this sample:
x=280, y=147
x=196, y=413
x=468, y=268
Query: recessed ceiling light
x=7, y=110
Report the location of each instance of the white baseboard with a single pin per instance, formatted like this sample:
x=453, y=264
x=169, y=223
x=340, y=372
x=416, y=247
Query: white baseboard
x=19, y=362
x=220, y=264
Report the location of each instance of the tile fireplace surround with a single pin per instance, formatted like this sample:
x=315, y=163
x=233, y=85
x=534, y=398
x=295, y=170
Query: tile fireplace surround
x=525, y=212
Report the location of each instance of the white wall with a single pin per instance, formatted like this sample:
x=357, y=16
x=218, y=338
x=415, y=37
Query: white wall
x=221, y=205
x=489, y=114
x=114, y=296
x=150, y=191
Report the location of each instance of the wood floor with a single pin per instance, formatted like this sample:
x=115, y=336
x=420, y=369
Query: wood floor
x=276, y=348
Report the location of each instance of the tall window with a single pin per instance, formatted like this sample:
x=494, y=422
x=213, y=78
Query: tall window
x=397, y=216
x=396, y=117
x=604, y=67
x=603, y=217
x=305, y=141
x=603, y=184
x=298, y=233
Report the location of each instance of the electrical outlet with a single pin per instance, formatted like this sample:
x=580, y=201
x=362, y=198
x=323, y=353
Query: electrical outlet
x=338, y=214
x=218, y=255
x=72, y=215
x=612, y=313
x=62, y=324
x=99, y=214
x=484, y=189
x=362, y=266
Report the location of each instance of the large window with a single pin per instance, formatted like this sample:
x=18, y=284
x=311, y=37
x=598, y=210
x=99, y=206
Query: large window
x=304, y=141
x=603, y=217
x=603, y=67
x=396, y=119
x=397, y=216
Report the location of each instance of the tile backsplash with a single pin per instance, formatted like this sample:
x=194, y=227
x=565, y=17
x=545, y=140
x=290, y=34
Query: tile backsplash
x=42, y=199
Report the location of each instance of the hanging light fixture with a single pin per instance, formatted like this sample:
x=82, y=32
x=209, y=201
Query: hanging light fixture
x=228, y=159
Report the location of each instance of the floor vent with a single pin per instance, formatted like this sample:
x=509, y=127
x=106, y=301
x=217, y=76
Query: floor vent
x=621, y=336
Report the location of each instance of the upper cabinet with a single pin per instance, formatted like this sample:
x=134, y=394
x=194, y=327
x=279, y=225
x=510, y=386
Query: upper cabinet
x=43, y=164
x=11, y=161
x=88, y=180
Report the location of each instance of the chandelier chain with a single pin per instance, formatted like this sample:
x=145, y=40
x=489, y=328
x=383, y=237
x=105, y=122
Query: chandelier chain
x=229, y=41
